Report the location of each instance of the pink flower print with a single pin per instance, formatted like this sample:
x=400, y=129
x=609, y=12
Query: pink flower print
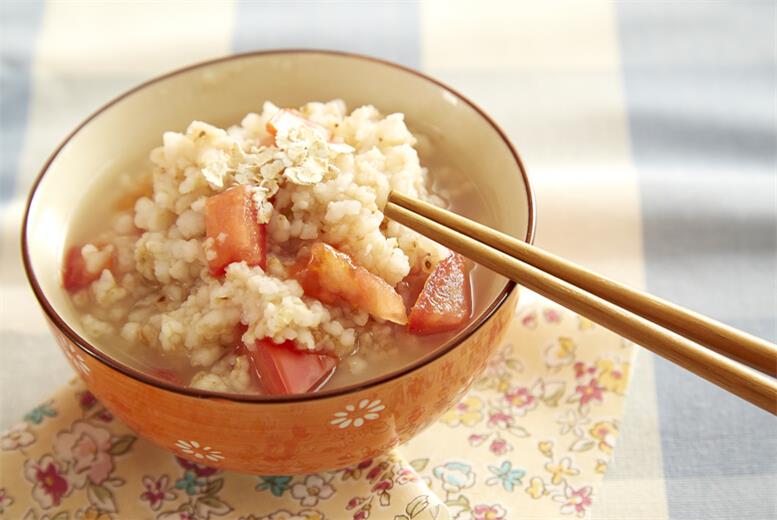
x=486, y=512
x=157, y=492
x=477, y=439
x=530, y=320
x=104, y=415
x=520, y=400
x=355, y=472
x=354, y=502
x=199, y=469
x=52, y=482
x=499, y=446
x=589, y=392
x=86, y=450
x=500, y=420
x=382, y=488
x=581, y=370
x=613, y=375
x=407, y=475
x=468, y=412
x=574, y=500
x=376, y=471
x=312, y=490
x=552, y=315
x=5, y=500
x=86, y=400
x=362, y=515
x=49, y=484
x=383, y=485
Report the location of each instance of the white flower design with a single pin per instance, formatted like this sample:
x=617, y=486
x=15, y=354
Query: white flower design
x=199, y=451
x=17, y=437
x=571, y=422
x=366, y=410
x=312, y=490
x=74, y=356
x=560, y=353
x=80, y=364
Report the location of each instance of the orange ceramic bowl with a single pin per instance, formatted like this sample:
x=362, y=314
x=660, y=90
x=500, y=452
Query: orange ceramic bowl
x=268, y=434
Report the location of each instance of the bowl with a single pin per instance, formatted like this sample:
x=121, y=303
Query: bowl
x=272, y=434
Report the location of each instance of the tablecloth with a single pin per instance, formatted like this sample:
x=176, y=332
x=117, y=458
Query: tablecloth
x=648, y=129
x=531, y=440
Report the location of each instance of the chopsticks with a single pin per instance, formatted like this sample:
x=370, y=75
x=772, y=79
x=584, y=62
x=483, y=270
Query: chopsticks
x=668, y=330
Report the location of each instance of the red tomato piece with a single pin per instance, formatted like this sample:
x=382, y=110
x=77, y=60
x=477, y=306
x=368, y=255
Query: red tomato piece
x=286, y=118
x=332, y=276
x=411, y=286
x=283, y=369
x=445, y=303
x=230, y=220
x=75, y=275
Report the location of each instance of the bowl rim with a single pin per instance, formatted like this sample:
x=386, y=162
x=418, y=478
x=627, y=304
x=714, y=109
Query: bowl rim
x=145, y=378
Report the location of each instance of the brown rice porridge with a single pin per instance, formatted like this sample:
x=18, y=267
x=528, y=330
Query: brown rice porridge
x=264, y=245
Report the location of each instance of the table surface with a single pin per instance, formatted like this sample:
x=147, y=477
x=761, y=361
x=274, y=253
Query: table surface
x=648, y=129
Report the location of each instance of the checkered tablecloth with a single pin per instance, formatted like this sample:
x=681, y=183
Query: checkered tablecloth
x=648, y=128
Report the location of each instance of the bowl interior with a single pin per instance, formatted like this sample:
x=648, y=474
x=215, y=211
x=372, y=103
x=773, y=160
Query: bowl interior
x=470, y=158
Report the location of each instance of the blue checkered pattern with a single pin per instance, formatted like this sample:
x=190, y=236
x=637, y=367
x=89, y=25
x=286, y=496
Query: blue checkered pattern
x=698, y=83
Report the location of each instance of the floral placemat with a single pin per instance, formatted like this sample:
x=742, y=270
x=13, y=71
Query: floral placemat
x=531, y=440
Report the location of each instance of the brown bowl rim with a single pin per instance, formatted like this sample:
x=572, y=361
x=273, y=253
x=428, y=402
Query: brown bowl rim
x=142, y=377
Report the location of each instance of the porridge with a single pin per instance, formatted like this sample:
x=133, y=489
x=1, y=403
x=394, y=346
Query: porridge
x=256, y=259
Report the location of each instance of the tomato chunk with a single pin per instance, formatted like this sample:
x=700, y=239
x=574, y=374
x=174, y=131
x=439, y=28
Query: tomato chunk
x=75, y=275
x=286, y=119
x=230, y=220
x=283, y=369
x=445, y=303
x=411, y=286
x=332, y=277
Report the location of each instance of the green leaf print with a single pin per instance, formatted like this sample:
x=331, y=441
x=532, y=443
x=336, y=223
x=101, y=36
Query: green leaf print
x=419, y=464
x=101, y=497
x=214, y=487
x=122, y=445
x=209, y=505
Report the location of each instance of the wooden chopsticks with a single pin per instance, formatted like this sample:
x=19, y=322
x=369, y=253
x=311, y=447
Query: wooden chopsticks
x=660, y=326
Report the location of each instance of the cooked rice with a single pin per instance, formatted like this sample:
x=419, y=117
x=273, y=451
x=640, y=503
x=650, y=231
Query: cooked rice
x=308, y=188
